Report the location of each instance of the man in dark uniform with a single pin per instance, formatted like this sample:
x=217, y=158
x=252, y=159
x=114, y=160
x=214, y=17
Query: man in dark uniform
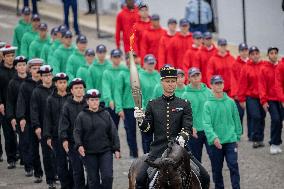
x=27, y=136
x=50, y=128
x=37, y=111
x=7, y=72
x=167, y=111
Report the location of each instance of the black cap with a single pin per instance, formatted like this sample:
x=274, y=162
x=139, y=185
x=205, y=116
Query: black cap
x=77, y=81
x=183, y=22
x=35, y=61
x=168, y=71
x=197, y=35
x=272, y=48
x=19, y=59
x=90, y=52
x=26, y=11
x=172, y=21
x=193, y=71
x=243, y=46
x=62, y=29
x=54, y=31
x=81, y=39
x=253, y=48
x=93, y=93
x=149, y=59
x=68, y=34
x=101, y=48
x=45, y=69
x=127, y=55
x=60, y=76
x=35, y=17
x=222, y=42
x=142, y=5
x=207, y=35
x=116, y=53
x=216, y=79
x=155, y=17
x=42, y=26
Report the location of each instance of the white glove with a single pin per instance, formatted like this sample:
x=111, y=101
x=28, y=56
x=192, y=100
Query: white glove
x=139, y=114
x=181, y=141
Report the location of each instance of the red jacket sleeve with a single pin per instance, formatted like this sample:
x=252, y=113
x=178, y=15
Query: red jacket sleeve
x=143, y=46
x=161, y=53
x=243, y=85
x=171, y=56
x=118, y=30
x=279, y=81
x=210, y=69
x=186, y=61
x=235, y=80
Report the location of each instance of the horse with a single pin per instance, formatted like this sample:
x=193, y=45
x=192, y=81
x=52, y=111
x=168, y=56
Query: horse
x=174, y=170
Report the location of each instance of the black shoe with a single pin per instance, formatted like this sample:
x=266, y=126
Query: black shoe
x=87, y=13
x=56, y=178
x=51, y=186
x=255, y=145
x=11, y=165
x=38, y=180
x=1, y=158
x=261, y=144
x=29, y=173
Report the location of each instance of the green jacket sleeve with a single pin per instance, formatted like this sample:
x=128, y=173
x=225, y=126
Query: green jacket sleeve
x=70, y=67
x=32, y=50
x=237, y=121
x=44, y=53
x=85, y=75
x=24, y=47
x=118, y=94
x=106, y=88
x=16, y=41
x=55, y=64
x=207, y=123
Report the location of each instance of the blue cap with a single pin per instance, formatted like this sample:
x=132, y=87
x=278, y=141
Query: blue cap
x=149, y=59
x=142, y=5
x=216, y=79
x=183, y=22
x=35, y=17
x=116, y=53
x=155, y=17
x=222, y=42
x=243, y=46
x=193, y=71
x=207, y=35
x=272, y=48
x=253, y=48
x=172, y=21
x=90, y=52
x=62, y=29
x=26, y=11
x=68, y=34
x=42, y=26
x=81, y=39
x=54, y=31
x=197, y=35
x=101, y=48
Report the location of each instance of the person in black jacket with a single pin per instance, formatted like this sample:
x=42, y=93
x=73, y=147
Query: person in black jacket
x=50, y=128
x=20, y=64
x=96, y=139
x=7, y=72
x=72, y=107
x=27, y=135
x=37, y=112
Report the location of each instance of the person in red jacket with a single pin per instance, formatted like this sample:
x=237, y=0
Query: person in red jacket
x=221, y=64
x=142, y=24
x=270, y=100
x=280, y=82
x=151, y=38
x=190, y=57
x=124, y=24
x=207, y=50
x=248, y=95
x=179, y=44
x=164, y=43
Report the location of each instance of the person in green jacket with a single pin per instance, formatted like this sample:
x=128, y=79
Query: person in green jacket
x=99, y=66
x=148, y=80
x=223, y=130
x=61, y=55
x=29, y=36
x=197, y=93
x=23, y=26
x=109, y=81
x=36, y=46
x=83, y=71
x=181, y=88
x=77, y=59
x=47, y=47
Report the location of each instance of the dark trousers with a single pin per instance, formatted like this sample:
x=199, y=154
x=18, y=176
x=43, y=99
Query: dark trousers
x=257, y=118
x=99, y=167
x=74, y=6
x=240, y=110
x=38, y=172
x=276, y=122
x=196, y=145
x=130, y=128
x=64, y=169
x=115, y=117
x=34, y=4
x=77, y=168
x=1, y=149
x=229, y=152
x=147, y=139
x=10, y=140
x=25, y=146
x=91, y=5
x=198, y=27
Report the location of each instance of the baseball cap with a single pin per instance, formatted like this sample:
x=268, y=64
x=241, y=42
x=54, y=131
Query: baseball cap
x=216, y=79
x=60, y=76
x=243, y=46
x=42, y=26
x=183, y=22
x=93, y=93
x=101, y=48
x=81, y=39
x=172, y=21
x=155, y=17
x=192, y=71
x=207, y=35
x=149, y=59
x=272, y=48
x=77, y=81
x=222, y=42
x=68, y=34
x=54, y=31
x=35, y=17
x=253, y=48
x=142, y=5
x=115, y=53
x=62, y=29
x=26, y=11
x=19, y=59
x=45, y=69
x=90, y=52
x=197, y=35
x=180, y=71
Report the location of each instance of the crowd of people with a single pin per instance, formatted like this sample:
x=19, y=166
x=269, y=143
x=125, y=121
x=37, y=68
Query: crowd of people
x=43, y=79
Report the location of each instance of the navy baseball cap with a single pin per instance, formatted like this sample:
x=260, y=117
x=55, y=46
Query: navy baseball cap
x=180, y=71
x=253, y=48
x=54, y=31
x=26, y=11
x=183, y=22
x=272, y=48
x=62, y=29
x=116, y=53
x=35, y=17
x=222, y=42
x=149, y=59
x=155, y=17
x=142, y=5
x=90, y=52
x=172, y=21
x=197, y=35
x=216, y=79
x=207, y=35
x=101, y=48
x=68, y=34
x=81, y=39
x=192, y=71
x=243, y=46
x=43, y=26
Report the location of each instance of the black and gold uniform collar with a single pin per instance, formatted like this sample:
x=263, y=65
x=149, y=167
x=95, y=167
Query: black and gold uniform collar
x=169, y=98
